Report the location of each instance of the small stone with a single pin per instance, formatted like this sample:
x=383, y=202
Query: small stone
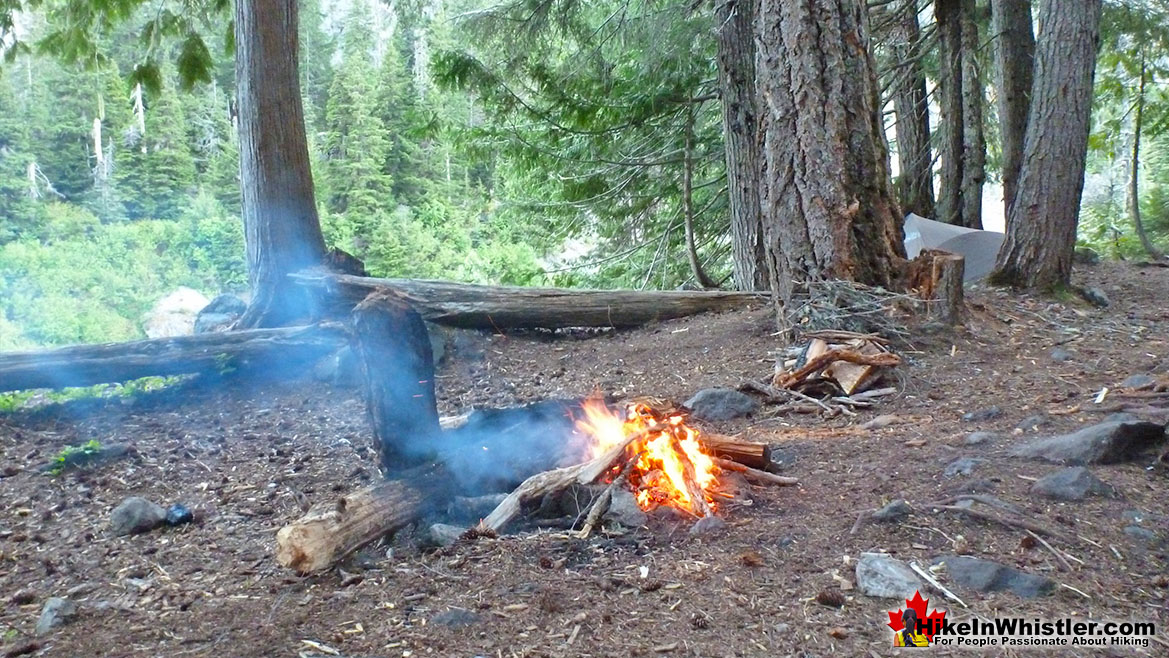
x=978, y=438
x=22, y=597
x=1141, y=534
x=135, y=515
x=962, y=466
x=886, y=577
x=623, y=509
x=987, y=576
x=1085, y=256
x=894, y=511
x=1074, y=483
x=1060, y=355
x=1095, y=296
x=1103, y=443
x=1139, y=380
x=1032, y=423
x=442, y=534
x=8, y=471
x=990, y=413
x=721, y=404
x=838, y=632
x=178, y=514
x=455, y=618
x=707, y=525
x=57, y=612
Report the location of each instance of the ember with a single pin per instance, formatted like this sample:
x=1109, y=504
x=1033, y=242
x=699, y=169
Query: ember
x=666, y=465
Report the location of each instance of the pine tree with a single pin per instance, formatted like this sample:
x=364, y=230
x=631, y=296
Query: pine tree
x=355, y=144
x=158, y=167
x=19, y=213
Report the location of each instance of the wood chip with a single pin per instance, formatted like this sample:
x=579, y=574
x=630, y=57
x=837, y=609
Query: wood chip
x=666, y=648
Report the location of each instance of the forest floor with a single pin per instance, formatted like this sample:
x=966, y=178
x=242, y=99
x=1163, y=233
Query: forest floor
x=248, y=460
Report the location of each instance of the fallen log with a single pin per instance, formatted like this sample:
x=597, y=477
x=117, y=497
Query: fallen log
x=329, y=533
x=510, y=307
x=747, y=453
x=86, y=365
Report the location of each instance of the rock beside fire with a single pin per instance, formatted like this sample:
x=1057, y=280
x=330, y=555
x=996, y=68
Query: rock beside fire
x=986, y=576
x=721, y=404
x=623, y=509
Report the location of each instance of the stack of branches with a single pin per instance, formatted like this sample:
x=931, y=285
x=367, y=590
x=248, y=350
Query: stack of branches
x=834, y=373
x=848, y=306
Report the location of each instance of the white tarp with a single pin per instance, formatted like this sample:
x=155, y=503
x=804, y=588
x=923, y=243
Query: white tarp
x=979, y=247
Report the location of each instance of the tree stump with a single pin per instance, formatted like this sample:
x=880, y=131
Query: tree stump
x=392, y=343
x=936, y=276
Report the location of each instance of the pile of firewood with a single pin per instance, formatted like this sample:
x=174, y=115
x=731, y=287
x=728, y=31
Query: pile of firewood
x=834, y=372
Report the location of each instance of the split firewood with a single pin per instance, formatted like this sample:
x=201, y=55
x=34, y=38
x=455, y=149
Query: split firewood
x=698, y=505
x=755, y=475
x=555, y=481
x=816, y=365
x=749, y=453
x=854, y=377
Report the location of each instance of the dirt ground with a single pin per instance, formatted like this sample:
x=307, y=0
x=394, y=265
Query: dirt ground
x=249, y=460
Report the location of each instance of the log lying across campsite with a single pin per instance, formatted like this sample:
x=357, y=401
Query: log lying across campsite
x=510, y=307
x=86, y=365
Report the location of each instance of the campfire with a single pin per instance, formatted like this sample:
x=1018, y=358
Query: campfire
x=663, y=463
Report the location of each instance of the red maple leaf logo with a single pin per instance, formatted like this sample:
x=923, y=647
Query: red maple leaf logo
x=930, y=623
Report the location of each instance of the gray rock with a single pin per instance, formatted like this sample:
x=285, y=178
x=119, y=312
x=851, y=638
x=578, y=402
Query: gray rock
x=220, y=314
x=886, y=577
x=962, y=466
x=976, y=485
x=56, y=612
x=442, y=534
x=707, y=525
x=894, y=511
x=978, y=438
x=1060, y=355
x=1139, y=380
x=986, y=576
x=721, y=404
x=1120, y=416
x=1095, y=296
x=438, y=342
x=135, y=515
x=623, y=509
x=455, y=618
x=339, y=369
x=474, y=507
x=990, y=413
x=1074, y=483
x=1104, y=443
x=1034, y=422
x=1085, y=256
x=1140, y=534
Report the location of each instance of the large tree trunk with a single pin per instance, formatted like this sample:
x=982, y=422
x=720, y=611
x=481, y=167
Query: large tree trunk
x=736, y=75
x=290, y=348
x=510, y=307
x=963, y=148
x=1041, y=228
x=915, y=182
x=973, y=139
x=828, y=209
x=1014, y=52
x=281, y=226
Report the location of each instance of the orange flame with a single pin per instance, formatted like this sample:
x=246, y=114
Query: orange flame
x=659, y=475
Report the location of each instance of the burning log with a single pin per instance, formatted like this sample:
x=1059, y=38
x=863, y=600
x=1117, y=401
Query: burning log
x=755, y=475
x=748, y=453
x=295, y=348
x=391, y=341
x=509, y=307
x=329, y=533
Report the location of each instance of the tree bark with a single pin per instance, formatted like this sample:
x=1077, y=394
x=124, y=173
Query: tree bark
x=736, y=75
x=963, y=150
x=828, y=209
x=475, y=306
x=392, y=342
x=1041, y=228
x=1014, y=51
x=915, y=182
x=294, y=348
x=281, y=226
x=700, y=276
x=973, y=139
x=1134, y=177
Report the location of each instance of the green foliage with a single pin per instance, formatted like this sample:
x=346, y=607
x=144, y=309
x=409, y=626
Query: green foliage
x=73, y=454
